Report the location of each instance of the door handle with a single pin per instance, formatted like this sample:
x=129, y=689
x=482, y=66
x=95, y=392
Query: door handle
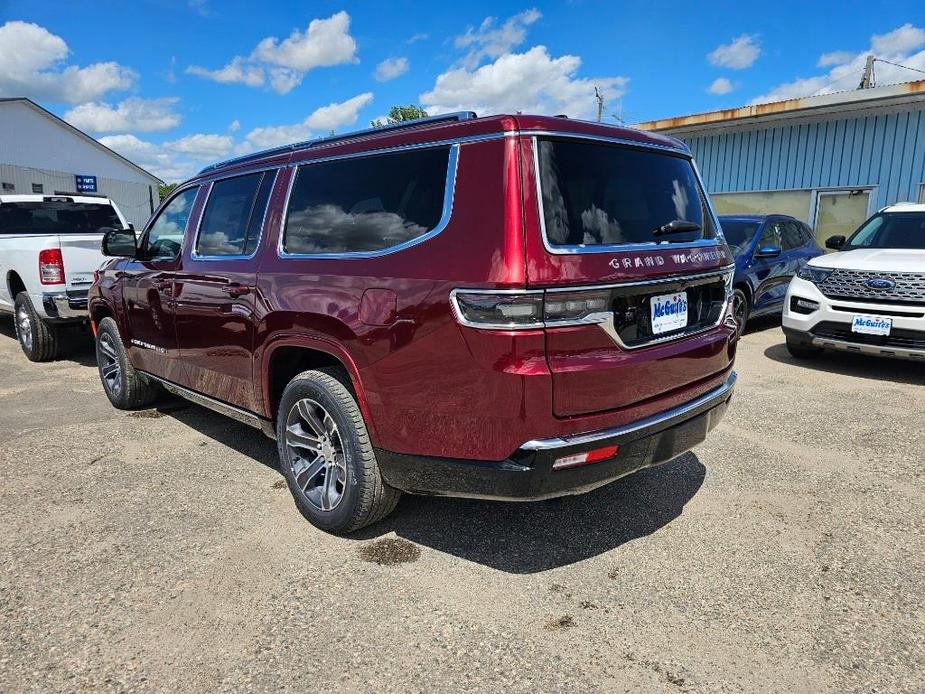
x=162, y=284
x=235, y=290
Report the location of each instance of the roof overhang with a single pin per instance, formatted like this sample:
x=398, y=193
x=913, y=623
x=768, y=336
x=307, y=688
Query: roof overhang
x=810, y=106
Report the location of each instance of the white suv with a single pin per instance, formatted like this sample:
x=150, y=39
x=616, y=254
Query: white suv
x=869, y=297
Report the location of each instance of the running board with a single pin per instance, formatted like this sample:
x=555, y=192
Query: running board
x=235, y=413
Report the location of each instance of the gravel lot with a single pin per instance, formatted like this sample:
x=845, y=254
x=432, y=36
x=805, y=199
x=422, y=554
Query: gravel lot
x=161, y=550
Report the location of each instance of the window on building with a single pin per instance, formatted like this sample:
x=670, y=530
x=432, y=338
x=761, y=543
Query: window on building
x=922, y=192
x=794, y=203
x=38, y=188
x=232, y=219
x=8, y=187
x=366, y=204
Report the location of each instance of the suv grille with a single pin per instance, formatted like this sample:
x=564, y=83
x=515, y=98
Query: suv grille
x=909, y=339
x=849, y=284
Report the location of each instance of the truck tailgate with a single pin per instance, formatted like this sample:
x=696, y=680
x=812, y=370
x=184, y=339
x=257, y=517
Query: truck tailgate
x=81, y=254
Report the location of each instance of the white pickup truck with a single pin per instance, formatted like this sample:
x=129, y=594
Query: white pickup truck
x=49, y=250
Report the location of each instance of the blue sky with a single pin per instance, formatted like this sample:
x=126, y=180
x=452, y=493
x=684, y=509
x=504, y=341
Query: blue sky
x=174, y=84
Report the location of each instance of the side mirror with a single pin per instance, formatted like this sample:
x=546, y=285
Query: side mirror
x=768, y=252
x=835, y=242
x=119, y=243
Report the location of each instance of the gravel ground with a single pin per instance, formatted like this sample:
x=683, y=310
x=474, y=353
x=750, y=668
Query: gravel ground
x=161, y=550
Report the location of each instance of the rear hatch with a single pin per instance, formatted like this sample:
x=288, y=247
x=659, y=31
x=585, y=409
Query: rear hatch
x=634, y=270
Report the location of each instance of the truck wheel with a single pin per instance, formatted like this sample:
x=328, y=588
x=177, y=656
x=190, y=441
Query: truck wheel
x=40, y=341
x=801, y=350
x=326, y=456
x=125, y=387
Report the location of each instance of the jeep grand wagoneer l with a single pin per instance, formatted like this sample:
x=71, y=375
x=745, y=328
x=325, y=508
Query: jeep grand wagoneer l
x=512, y=307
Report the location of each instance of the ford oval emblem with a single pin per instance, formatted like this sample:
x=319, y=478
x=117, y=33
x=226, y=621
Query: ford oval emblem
x=878, y=283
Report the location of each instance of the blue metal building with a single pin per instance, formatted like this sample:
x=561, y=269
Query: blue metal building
x=829, y=160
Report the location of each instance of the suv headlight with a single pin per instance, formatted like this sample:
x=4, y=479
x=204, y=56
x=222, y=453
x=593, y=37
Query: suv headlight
x=816, y=275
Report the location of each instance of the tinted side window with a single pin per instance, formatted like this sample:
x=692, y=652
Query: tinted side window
x=772, y=235
x=165, y=234
x=366, y=204
x=231, y=221
x=792, y=236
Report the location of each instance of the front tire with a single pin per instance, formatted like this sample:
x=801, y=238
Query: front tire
x=326, y=455
x=125, y=387
x=740, y=309
x=801, y=350
x=40, y=341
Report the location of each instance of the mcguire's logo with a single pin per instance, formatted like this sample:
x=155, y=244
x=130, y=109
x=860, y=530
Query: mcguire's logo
x=671, y=306
x=878, y=283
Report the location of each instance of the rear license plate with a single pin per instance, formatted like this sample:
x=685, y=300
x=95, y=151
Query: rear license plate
x=669, y=312
x=871, y=325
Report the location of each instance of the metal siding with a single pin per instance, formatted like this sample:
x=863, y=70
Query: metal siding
x=882, y=149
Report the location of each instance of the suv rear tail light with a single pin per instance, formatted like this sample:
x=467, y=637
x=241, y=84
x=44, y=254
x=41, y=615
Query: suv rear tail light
x=500, y=310
x=594, y=456
x=51, y=266
x=576, y=306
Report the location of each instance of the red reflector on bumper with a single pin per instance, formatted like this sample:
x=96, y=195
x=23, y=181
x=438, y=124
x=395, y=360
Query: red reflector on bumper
x=584, y=458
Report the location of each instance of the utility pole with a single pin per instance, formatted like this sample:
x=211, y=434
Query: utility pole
x=867, y=80
x=600, y=104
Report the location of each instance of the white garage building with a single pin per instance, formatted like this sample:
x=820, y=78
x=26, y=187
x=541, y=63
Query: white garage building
x=40, y=153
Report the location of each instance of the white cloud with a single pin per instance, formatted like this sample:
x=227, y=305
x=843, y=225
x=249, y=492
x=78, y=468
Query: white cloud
x=720, y=86
x=321, y=121
x=238, y=71
x=326, y=42
x=418, y=37
x=532, y=81
x=151, y=157
x=202, y=147
x=741, y=53
x=900, y=40
x=390, y=68
x=904, y=45
x=234, y=126
x=33, y=66
x=492, y=41
x=834, y=58
x=141, y=115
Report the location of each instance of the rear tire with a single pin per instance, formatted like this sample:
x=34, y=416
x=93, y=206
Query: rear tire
x=126, y=388
x=801, y=350
x=40, y=341
x=326, y=456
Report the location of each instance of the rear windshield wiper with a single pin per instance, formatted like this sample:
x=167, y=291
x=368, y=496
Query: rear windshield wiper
x=677, y=226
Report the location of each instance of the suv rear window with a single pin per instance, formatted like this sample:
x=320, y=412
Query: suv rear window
x=56, y=217
x=596, y=194
x=366, y=204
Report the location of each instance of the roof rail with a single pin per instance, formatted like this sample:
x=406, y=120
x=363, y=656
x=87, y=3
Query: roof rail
x=299, y=146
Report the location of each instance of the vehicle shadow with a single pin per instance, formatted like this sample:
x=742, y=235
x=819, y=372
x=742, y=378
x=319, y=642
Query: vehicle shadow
x=514, y=537
x=77, y=342
x=874, y=368
x=762, y=323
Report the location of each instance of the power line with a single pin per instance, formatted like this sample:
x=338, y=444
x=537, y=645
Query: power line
x=914, y=69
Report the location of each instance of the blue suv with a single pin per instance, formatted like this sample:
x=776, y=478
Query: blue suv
x=769, y=250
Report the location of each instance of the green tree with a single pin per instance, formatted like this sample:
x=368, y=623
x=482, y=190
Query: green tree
x=400, y=114
x=165, y=189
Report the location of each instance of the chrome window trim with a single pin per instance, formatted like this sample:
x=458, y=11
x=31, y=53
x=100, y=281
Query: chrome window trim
x=626, y=247
x=194, y=254
x=603, y=319
x=707, y=399
x=449, y=194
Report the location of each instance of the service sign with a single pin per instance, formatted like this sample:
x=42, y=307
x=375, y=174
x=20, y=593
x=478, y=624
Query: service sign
x=85, y=184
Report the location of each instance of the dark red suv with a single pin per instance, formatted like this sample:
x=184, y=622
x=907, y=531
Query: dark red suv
x=511, y=307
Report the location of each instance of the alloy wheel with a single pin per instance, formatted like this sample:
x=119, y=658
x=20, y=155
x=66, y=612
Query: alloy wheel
x=24, y=328
x=315, y=454
x=110, y=367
